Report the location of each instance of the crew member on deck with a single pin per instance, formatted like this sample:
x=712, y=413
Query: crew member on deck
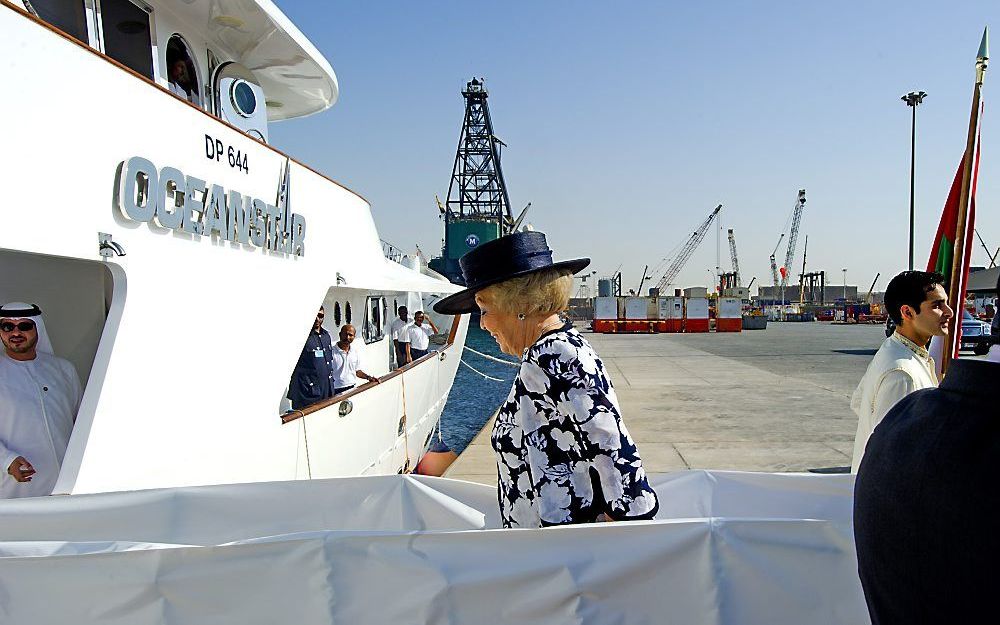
x=312, y=379
x=416, y=336
x=346, y=363
x=396, y=329
x=181, y=76
x=39, y=397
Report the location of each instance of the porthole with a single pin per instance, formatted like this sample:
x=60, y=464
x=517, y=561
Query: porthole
x=243, y=98
x=336, y=314
x=347, y=312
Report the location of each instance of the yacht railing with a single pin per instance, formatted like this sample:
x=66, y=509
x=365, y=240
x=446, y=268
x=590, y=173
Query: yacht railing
x=293, y=415
x=392, y=252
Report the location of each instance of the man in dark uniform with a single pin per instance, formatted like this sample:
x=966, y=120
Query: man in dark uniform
x=925, y=501
x=312, y=379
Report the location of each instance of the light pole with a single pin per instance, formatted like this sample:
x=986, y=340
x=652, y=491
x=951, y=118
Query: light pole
x=913, y=99
x=845, y=285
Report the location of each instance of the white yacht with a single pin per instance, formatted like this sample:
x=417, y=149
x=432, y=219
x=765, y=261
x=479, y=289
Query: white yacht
x=180, y=260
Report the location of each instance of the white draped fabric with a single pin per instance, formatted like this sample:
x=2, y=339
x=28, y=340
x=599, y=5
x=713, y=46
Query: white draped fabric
x=726, y=547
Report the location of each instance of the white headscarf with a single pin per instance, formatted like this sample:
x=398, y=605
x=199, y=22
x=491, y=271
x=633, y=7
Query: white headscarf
x=16, y=311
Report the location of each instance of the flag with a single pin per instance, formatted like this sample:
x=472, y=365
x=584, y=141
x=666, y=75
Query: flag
x=943, y=251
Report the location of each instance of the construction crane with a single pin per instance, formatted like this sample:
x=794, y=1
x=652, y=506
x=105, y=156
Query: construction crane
x=642, y=280
x=868, y=298
x=774, y=265
x=733, y=257
x=793, y=235
x=993, y=257
x=802, y=276
x=682, y=257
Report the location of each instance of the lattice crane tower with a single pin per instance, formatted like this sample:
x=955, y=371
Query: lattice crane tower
x=733, y=258
x=477, y=189
x=682, y=257
x=793, y=235
x=478, y=208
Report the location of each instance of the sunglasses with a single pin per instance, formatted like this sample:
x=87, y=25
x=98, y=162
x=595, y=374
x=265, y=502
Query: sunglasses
x=24, y=326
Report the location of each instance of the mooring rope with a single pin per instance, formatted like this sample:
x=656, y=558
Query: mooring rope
x=506, y=362
x=481, y=373
x=305, y=438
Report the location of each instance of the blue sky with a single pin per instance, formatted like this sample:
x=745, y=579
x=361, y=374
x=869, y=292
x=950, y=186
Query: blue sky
x=627, y=123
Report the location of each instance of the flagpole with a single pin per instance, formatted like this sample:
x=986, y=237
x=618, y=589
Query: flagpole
x=955, y=291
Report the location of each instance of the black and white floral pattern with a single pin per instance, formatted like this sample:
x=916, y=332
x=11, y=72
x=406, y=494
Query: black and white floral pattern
x=563, y=453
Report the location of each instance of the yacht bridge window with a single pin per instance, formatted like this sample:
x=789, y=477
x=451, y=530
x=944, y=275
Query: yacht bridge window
x=182, y=72
x=127, y=35
x=69, y=16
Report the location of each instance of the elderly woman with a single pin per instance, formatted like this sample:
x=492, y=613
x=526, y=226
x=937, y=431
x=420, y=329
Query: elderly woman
x=563, y=453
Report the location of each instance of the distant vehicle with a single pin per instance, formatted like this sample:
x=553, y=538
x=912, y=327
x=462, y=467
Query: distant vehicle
x=975, y=334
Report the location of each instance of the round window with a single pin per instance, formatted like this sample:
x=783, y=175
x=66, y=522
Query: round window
x=244, y=99
x=336, y=314
x=347, y=312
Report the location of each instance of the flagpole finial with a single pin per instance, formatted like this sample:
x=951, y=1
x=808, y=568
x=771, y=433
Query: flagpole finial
x=983, y=56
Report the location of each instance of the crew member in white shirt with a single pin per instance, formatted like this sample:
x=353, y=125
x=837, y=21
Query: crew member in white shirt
x=918, y=304
x=994, y=353
x=346, y=363
x=416, y=338
x=396, y=329
x=39, y=396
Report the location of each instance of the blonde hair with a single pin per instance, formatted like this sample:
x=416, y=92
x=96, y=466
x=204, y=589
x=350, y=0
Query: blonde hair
x=544, y=292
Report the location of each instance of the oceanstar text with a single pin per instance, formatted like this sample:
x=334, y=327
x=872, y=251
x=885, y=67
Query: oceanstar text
x=188, y=204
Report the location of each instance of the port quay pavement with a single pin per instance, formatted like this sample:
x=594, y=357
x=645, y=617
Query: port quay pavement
x=762, y=400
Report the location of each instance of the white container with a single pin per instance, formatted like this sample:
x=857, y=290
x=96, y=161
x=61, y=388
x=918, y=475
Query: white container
x=637, y=308
x=605, y=308
x=670, y=307
x=696, y=291
x=730, y=308
x=697, y=308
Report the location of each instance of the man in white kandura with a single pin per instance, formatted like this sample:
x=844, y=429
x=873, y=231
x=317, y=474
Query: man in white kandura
x=416, y=336
x=39, y=396
x=918, y=304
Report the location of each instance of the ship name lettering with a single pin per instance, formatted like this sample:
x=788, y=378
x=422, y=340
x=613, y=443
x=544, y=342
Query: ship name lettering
x=215, y=149
x=188, y=204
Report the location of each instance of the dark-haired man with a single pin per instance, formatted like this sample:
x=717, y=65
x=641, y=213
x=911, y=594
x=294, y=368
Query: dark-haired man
x=396, y=329
x=312, y=378
x=923, y=501
x=918, y=304
x=995, y=328
x=416, y=336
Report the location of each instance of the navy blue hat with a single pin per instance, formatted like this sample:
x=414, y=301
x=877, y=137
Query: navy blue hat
x=511, y=256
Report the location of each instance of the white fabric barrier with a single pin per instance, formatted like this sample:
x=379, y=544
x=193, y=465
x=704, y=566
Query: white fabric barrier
x=727, y=547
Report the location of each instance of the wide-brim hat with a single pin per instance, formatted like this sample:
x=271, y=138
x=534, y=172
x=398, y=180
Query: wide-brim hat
x=517, y=254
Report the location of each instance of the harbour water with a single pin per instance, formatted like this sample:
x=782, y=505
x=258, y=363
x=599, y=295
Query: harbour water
x=473, y=398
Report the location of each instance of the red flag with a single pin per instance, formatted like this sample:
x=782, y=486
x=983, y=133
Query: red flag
x=943, y=251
